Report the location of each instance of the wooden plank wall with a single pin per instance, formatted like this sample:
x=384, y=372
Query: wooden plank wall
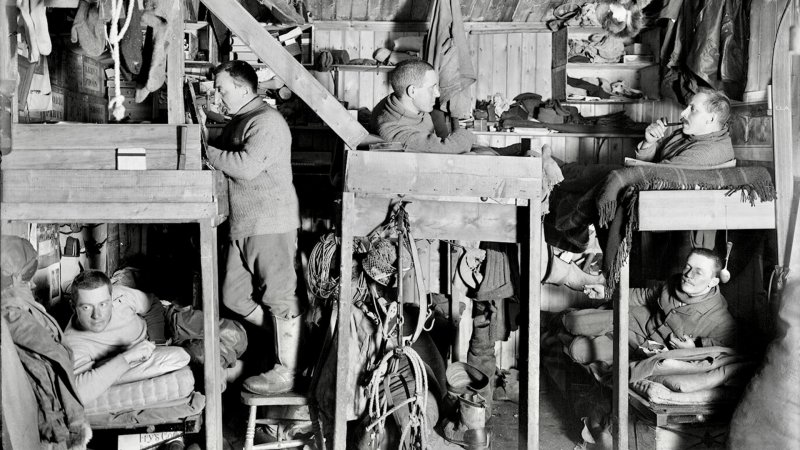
x=418, y=10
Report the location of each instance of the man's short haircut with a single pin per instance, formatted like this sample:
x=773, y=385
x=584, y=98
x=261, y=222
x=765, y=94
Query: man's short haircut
x=88, y=280
x=408, y=72
x=241, y=72
x=710, y=254
x=717, y=103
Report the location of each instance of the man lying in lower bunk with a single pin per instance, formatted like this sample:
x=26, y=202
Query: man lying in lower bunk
x=682, y=341
x=116, y=363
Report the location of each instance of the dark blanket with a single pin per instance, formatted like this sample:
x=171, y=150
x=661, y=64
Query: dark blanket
x=592, y=194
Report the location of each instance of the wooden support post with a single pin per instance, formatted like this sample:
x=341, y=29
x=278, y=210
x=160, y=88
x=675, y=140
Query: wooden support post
x=529, y=407
x=175, y=110
x=211, y=372
x=343, y=395
x=8, y=73
x=786, y=166
x=112, y=248
x=620, y=383
x=302, y=83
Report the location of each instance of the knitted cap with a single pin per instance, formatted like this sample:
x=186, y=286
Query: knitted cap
x=17, y=258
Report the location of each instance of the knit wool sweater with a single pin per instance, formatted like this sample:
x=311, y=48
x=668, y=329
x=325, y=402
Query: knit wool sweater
x=254, y=152
x=705, y=150
x=395, y=123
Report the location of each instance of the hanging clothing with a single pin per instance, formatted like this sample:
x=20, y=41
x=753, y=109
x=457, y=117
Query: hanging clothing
x=705, y=44
x=48, y=365
x=447, y=51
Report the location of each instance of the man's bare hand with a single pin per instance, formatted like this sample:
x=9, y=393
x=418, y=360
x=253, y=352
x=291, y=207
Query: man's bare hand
x=686, y=341
x=481, y=150
x=139, y=353
x=655, y=130
x=595, y=291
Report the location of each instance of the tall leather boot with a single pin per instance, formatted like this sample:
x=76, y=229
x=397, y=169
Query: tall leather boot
x=470, y=430
x=568, y=274
x=280, y=379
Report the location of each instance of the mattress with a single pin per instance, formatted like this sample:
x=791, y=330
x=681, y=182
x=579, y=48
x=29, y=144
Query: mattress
x=158, y=390
x=186, y=409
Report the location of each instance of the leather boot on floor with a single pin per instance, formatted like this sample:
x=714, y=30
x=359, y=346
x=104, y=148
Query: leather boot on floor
x=281, y=378
x=569, y=274
x=470, y=430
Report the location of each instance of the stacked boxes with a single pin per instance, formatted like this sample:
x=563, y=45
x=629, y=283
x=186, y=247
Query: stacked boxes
x=296, y=40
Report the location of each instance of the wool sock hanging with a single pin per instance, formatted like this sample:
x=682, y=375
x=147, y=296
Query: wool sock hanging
x=157, y=16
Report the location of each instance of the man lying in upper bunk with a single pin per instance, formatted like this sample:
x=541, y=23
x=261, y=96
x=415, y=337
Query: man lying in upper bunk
x=702, y=140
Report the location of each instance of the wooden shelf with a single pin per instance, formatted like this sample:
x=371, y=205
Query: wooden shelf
x=612, y=66
x=604, y=134
x=360, y=68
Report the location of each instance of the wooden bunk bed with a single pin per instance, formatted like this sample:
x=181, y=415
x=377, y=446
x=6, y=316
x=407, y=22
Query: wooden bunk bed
x=53, y=174
x=463, y=197
x=668, y=211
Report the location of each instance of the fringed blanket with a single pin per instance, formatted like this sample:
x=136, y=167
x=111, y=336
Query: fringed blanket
x=575, y=209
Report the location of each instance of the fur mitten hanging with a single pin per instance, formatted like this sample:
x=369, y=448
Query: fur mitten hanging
x=88, y=29
x=620, y=18
x=157, y=15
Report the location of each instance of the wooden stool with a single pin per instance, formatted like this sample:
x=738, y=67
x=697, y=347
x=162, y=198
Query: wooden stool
x=289, y=399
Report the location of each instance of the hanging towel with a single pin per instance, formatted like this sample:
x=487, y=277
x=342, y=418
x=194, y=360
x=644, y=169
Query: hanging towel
x=447, y=51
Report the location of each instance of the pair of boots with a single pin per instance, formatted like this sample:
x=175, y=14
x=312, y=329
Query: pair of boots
x=281, y=378
x=568, y=274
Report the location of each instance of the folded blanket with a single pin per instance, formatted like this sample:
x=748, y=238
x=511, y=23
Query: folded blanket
x=658, y=393
x=683, y=361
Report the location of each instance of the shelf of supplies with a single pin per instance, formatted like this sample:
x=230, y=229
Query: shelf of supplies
x=612, y=66
x=554, y=134
x=360, y=68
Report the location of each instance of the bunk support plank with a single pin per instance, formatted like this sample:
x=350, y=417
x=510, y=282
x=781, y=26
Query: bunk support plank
x=175, y=109
x=296, y=77
x=702, y=210
x=531, y=354
x=211, y=374
x=620, y=378
x=343, y=395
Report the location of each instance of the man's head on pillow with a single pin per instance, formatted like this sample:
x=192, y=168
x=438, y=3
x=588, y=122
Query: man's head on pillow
x=91, y=300
x=701, y=272
x=707, y=112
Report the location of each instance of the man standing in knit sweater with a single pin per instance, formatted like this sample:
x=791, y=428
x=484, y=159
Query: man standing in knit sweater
x=702, y=140
x=254, y=152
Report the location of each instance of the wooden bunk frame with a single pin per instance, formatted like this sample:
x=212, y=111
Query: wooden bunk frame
x=461, y=197
x=125, y=196
x=668, y=211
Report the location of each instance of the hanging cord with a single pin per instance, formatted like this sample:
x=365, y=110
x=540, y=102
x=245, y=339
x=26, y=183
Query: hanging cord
x=115, y=104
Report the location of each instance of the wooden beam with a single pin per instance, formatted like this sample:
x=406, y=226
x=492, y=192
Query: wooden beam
x=702, y=210
x=8, y=73
x=785, y=163
x=442, y=175
x=444, y=220
x=620, y=376
x=110, y=212
x=115, y=186
x=343, y=396
x=531, y=358
x=175, y=109
x=302, y=83
x=283, y=12
x=211, y=346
